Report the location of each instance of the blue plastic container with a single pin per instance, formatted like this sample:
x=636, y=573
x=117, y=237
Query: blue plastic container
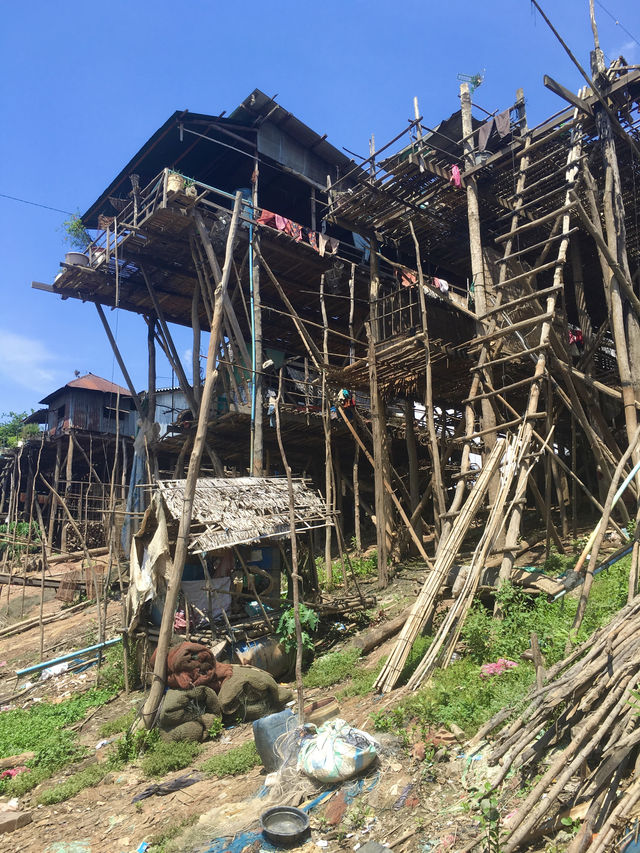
x=266, y=732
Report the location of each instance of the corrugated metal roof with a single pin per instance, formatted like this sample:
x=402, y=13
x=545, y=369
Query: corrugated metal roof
x=90, y=382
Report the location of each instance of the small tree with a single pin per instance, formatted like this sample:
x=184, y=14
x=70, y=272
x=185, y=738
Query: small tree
x=13, y=428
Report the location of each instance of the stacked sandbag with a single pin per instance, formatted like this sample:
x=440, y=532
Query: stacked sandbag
x=251, y=693
x=188, y=714
x=194, y=665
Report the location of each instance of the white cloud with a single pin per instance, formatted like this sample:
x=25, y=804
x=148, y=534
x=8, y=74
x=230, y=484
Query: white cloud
x=27, y=362
x=629, y=50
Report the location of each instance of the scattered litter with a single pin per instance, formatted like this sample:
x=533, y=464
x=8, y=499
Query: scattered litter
x=13, y=771
x=104, y=742
x=164, y=788
x=497, y=668
x=143, y=847
x=52, y=671
x=336, y=751
x=402, y=799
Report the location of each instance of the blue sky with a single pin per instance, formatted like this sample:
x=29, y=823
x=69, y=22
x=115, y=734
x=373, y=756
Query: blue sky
x=84, y=85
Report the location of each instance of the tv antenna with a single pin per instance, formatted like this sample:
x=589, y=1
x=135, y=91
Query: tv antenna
x=474, y=80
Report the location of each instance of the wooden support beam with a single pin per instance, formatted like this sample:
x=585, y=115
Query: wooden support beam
x=173, y=588
x=307, y=340
x=392, y=494
x=120, y=360
x=558, y=89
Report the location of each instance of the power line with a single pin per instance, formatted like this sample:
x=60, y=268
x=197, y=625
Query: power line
x=35, y=204
x=617, y=23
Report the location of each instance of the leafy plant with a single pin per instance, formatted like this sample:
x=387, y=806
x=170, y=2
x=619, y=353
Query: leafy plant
x=13, y=428
x=76, y=234
x=239, y=760
x=489, y=819
x=215, y=728
x=134, y=744
x=286, y=629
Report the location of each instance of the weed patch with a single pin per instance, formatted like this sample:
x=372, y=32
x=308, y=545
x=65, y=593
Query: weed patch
x=42, y=729
x=166, y=756
x=459, y=695
x=363, y=567
x=332, y=668
x=87, y=778
x=161, y=843
x=119, y=725
x=362, y=681
x=239, y=760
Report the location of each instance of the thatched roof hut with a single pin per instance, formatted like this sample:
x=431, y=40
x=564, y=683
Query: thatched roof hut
x=242, y=510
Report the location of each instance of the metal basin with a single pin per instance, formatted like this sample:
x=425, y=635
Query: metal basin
x=284, y=825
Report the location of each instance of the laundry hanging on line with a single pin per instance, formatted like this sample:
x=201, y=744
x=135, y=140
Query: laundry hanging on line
x=501, y=123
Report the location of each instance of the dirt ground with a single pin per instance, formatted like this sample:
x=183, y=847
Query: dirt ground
x=405, y=802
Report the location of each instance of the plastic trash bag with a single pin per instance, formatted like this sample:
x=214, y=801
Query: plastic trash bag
x=336, y=752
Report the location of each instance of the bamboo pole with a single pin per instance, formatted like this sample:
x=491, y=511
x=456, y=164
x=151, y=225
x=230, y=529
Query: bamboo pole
x=173, y=588
x=326, y=424
x=294, y=560
x=600, y=530
x=424, y=604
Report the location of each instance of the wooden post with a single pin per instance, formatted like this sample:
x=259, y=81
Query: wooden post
x=173, y=588
x=54, y=501
x=257, y=440
x=295, y=577
x=357, y=532
x=195, y=346
x=326, y=423
x=120, y=360
x=412, y=457
x=478, y=267
x=439, y=506
x=67, y=488
x=378, y=429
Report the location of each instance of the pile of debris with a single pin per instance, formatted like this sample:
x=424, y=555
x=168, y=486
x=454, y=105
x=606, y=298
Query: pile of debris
x=583, y=725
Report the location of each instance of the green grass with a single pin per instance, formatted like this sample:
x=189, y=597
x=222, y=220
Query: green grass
x=459, y=695
x=42, y=729
x=362, y=681
x=64, y=790
x=119, y=725
x=161, y=843
x=166, y=756
x=332, y=668
x=239, y=760
x=363, y=567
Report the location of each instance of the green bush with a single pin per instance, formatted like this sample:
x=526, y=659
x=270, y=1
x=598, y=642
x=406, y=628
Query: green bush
x=239, y=760
x=167, y=756
x=286, y=629
x=332, y=668
x=363, y=567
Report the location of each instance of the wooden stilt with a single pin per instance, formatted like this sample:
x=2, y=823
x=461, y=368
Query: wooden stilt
x=294, y=561
x=173, y=588
x=326, y=423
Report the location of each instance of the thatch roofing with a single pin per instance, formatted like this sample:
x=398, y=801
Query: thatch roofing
x=242, y=510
